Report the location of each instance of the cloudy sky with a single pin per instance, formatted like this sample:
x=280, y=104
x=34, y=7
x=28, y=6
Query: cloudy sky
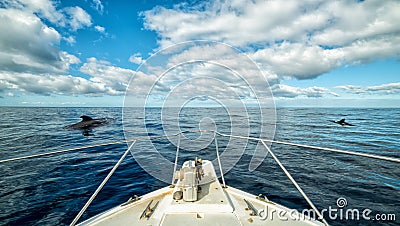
x=312, y=52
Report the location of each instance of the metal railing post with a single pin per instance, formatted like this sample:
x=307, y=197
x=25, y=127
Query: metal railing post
x=219, y=160
x=101, y=185
x=295, y=184
x=176, y=158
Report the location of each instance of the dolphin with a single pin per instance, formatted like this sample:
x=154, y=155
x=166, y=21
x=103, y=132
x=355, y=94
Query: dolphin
x=88, y=123
x=341, y=122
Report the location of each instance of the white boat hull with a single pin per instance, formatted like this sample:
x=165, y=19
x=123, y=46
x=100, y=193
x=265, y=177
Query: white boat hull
x=215, y=206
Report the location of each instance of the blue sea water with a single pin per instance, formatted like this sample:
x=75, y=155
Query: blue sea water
x=51, y=190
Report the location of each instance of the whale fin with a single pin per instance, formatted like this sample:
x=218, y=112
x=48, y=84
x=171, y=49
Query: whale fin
x=341, y=122
x=86, y=118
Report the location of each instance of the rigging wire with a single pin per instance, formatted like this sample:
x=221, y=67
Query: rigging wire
x=385, y=158
x=60, y=151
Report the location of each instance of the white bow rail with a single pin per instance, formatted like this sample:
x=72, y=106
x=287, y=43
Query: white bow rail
x=220, y=166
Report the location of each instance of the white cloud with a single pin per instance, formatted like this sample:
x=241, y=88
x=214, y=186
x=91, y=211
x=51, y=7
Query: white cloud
x=238, y=23
x=44, y=8
x=73, y=17
x=99, y=29
x=249, y=22
x=201, y=69
x=32, y=62
x=32, y=46
x=365, y=51
x=353, y=20
x=299, y=60
x=30, y=58
x=229, y=59
x=286, y=91
x=98, y=6
x=29, y=45
x=105, y=79
x=70, y=40
x=113, y=78
x=136, y=58
x=78, y=18
x=385, y=89
x=4, y=85
x=302, y=39
x=51, y=84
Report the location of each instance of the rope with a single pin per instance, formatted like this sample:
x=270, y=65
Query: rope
x=98, y=145
x=61, y=151
x=295, y=184
x=385, y=158
x=101, y=185
x=391, y=159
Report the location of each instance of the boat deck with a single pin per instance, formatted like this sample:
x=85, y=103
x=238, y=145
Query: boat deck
x=215, y=206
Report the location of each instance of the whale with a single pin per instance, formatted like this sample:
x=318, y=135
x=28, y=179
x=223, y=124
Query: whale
x=88, y=123
x=341, y=122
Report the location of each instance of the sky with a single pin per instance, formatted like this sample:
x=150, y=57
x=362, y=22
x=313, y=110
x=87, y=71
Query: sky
x=311, y=53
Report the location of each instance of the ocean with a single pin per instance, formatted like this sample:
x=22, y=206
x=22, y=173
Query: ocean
x=51, y=190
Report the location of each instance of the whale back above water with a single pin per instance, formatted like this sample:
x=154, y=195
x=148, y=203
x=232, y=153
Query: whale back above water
x=341, y=122
x=88, y=123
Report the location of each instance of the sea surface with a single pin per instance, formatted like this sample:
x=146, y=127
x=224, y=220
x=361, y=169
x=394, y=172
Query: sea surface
x=51, y=190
